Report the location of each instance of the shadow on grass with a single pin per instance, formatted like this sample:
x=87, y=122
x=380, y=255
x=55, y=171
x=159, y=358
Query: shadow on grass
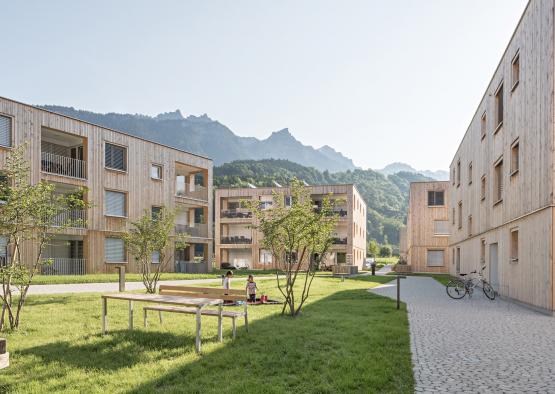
x=351, y=341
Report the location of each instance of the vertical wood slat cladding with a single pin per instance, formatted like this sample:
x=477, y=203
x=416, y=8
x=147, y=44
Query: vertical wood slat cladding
x=419, y=233
x=528, y=196
x=355, y=206
x=142, y=192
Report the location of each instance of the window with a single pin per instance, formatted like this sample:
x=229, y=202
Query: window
x=470, y=173
x=156, y=212
x=155, y=257
x=265, y=256
x=115, y=157
x=435, y=198
x=499, y=107
x=483, y=125
x=3, y=251
x=115, y=204
x=514, y=245
x=114, y=250
x=483, y=251
x=515, y=71
x=4, y=182
x=469, y=225
x=5, y=131
x=441, y=227
x=483, y=188
x=288, y=200
x=156, y=171
x=458, y=173
x=460, y=215
x=341, y=258
x=515, y=163
x=453, y=216
x=434, y=258
x=498, y=181
x=453, y=176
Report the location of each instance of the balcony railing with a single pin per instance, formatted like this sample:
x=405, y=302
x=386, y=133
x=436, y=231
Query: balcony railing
x=64, y=266
x=239, y=213
x=342, y=213
x=74, y=218
x=63, y=165
x=339, y=241
x=198, y=230
x=237, y=239
x=199, y=192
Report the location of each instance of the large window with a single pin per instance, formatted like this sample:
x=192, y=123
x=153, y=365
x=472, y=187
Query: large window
x=434, y=258
x=114, y=250
x=515, y=159
x=115, y=204
x=441, y=227
x=5, y=131
x=115, y=157
x=515, y=71
x=156, y=171
x=499, y=107
x=498, y=181
x=514, y=245
x=435, y=198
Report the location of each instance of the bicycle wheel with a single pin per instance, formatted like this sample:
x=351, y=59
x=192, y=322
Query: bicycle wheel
x=488, y=290
x=456, y=289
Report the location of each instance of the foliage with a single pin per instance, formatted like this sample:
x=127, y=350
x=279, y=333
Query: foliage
x=373, y=249
x=386, y=197
x=297, y=236
x=30, y=216
x=386, y=251
x=151, y=236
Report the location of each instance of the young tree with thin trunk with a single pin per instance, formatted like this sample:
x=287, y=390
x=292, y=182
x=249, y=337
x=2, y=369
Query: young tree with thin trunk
x=299, y=237
x=30, y=216
x=150, y=239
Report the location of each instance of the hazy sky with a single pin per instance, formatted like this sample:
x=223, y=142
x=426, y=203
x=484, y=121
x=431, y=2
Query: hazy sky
x=380, y=81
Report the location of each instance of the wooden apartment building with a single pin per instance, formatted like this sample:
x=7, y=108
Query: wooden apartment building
x=425, y=240
x=124, y=176
x=502, y=195
x=238, y=244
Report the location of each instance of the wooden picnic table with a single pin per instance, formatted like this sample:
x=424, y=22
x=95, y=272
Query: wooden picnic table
x=198, y=303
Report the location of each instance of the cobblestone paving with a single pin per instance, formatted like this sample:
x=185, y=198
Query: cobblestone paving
x=475, y=345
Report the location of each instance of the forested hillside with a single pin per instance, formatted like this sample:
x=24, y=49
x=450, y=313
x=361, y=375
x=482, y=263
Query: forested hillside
x=385, y=196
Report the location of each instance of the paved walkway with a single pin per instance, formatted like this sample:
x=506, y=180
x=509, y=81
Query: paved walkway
x=475, y=345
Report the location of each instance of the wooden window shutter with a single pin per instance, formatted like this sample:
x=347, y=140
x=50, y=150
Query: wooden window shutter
x=115, y=203
x=114, y=250
x=5, y=131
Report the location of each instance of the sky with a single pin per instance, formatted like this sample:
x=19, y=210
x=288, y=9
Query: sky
x=379, y=81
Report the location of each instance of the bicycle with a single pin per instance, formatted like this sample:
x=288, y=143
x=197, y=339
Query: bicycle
x=458, y=288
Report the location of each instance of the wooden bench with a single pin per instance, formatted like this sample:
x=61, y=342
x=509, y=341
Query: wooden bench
x=201, y=292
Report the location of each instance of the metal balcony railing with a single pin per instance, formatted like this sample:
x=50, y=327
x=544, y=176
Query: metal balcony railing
x=342, y=213
x=64, y=266
x=198, y=230
x=236, y=240
x=63, y=165
x=339, y=241
x=75, y=218
x=239, y=213
x=199, y=192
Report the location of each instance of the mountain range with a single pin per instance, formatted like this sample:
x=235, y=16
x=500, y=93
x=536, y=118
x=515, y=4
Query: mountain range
x=393, y=168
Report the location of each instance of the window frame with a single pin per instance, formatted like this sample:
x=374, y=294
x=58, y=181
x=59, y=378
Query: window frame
x=161, y=168
x=458, y=172
x=125, y=201
x=435, y=250
x=441, y=234
x=459, y=215
x=498, y=185
x=515, y=61
x=499, y=98
x=513, y=170
x=470, y=223
x=470, y=173
x=513, y=246
x=126, y=258
x=483, y=126
x=434, y=205
x=125, y=157
x=12, y=131
x=483, y=187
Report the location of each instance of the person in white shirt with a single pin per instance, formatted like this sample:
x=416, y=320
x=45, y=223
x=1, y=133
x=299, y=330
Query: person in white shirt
x=227, y=280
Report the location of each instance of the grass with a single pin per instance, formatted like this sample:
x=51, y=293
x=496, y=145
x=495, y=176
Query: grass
x=441, y=278
x=346, y=340
x=131, y=277
x=387, y=260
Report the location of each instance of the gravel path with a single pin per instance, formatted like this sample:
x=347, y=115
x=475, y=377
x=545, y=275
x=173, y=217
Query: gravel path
x=475, y=345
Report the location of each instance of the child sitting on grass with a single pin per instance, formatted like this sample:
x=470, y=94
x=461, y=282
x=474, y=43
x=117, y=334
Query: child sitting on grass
x=251, y=288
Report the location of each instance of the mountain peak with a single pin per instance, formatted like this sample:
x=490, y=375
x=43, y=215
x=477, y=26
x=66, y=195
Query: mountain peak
x=175, y=115
x=282, y=135
x=204, y=118
x=397, y=167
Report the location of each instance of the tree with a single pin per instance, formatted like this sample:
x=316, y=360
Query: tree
x=373, y=248
x=149, y=239
x=298, y=237
x=29, y=219
x=385, y=251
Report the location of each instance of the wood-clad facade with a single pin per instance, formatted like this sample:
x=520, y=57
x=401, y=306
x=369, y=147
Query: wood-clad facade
x=237, y=243
x=124, y=175
x=426, y=236
x=502, y=180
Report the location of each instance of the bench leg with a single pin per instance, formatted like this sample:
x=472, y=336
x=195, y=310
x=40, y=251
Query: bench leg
x=144, y=318
x=220, y=318
x=160, y=316
x=246, y=318
x=234, y=328
x=130, y=315
x=104, y=315
x=197, y=340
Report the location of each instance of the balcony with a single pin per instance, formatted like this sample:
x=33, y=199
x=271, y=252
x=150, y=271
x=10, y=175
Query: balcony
x=236, y=240
x=239, y=213
x=342, y=213
x=339, y=241
x=198, y=230
x=63, y=165
x=74, y=219
x=197, y=192
x=64, y=266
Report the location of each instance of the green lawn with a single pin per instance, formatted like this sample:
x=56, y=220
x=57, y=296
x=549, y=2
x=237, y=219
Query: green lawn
x=130, y=277
x=441, y=278
x=346, y=340
x=387, y=260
